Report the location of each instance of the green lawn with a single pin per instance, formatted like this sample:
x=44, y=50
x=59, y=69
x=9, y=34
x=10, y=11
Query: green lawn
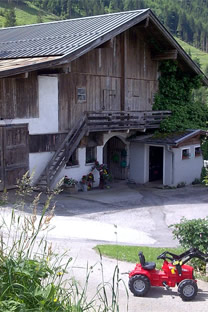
x=130, y=253
x=26, y=14
x=195, y=53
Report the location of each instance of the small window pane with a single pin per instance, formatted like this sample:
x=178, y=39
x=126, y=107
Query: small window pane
x=90, y=154
x=197, y=151
x=73, y=160
x=81, y=95
x=185, y=153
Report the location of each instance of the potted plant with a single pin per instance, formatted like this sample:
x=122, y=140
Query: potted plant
x=83, y=183
x=87, y=182
x=70, y=184
x=104, y=174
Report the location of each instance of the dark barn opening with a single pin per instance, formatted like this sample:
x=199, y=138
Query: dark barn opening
x=155, y=163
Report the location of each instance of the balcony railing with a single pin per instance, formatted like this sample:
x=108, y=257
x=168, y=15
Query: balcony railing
x=124, y=120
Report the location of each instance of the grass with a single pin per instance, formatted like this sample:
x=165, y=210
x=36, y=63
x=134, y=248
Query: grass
x=26, y=13
x=130, y=253
x=195, y=53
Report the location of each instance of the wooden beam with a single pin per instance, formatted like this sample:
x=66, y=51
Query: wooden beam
x=64, y=69
x=21, y=76
x=122, y=89
x=146, y=23
x=107, y=44
x=166, y=55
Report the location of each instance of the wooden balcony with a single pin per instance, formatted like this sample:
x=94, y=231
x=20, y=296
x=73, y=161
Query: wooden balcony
x=125, y=120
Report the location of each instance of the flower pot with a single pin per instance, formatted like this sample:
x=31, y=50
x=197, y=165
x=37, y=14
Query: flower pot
x=84, y=187
x=71, y=189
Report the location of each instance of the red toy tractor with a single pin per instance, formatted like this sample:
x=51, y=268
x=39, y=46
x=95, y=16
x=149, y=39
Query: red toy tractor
x=174, y=272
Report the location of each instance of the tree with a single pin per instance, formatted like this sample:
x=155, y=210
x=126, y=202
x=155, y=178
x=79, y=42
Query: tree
x=39, y=18
x=10, y=18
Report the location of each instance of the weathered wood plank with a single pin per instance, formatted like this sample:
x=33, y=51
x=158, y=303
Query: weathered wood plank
x=14, y=154
x=45, y=142
x=166, y=55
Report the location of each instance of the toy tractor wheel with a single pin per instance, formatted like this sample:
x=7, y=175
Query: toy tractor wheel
x=139, y=285
x=187, y=289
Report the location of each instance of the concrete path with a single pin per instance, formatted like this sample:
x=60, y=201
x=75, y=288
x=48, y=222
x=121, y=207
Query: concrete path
x=135, y=215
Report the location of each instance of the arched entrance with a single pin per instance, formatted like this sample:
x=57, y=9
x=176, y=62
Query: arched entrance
x=115, y=157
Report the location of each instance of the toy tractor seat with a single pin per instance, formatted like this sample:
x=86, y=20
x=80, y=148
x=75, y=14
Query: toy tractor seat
x=146, y=265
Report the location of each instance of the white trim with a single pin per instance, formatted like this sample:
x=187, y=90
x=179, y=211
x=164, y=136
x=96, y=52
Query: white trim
x=197, y=146
x=157, y=145
x=186, y=148
x=164, y=159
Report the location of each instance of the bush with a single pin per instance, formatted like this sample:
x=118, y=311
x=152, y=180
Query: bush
x=203, y=175
x=192, y=233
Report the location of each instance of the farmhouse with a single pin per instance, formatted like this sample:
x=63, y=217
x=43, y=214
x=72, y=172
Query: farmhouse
x=75, y=91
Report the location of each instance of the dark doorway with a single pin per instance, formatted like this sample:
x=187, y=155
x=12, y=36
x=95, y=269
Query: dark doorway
x=114, y=156
x=155, y=163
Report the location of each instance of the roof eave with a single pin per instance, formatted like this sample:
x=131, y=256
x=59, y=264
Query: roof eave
x=180, y=50
x=81, y=51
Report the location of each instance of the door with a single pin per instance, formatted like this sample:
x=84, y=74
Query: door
x=114, y=156
x=111, y=99
x=14, y=154
x=155, y=163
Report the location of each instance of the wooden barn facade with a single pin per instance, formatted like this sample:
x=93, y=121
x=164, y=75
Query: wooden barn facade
x=74, y=91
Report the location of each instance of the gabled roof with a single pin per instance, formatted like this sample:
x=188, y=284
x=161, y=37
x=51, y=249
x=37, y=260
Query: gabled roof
x=172, y=139
x=61, y=37
x=64, y=41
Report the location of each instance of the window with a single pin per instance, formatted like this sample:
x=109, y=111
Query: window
x=185, y=153
x=197, y=151
x=73, y=160
x=81, y=95
x=90, y=154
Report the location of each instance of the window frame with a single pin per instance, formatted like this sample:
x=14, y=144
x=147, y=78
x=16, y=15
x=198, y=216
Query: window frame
x=92, y=158
x=76, y=162
x=200, y=151
x=80, y=94
x=183, y=157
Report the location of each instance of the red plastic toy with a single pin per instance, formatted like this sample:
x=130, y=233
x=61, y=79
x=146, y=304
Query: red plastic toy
x=173, y=273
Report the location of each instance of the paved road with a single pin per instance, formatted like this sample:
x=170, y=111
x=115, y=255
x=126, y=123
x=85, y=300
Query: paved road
x=142, y=216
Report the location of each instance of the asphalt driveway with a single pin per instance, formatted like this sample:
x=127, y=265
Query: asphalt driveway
x=142, y=214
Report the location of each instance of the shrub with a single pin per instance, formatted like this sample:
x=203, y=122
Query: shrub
x=203, y=175
x=192, y=233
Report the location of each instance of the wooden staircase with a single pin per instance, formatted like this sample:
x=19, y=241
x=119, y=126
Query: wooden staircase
x=62, y=154
x=95, y=122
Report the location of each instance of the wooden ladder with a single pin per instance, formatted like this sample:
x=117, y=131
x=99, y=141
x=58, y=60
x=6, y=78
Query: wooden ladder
x=62, y=154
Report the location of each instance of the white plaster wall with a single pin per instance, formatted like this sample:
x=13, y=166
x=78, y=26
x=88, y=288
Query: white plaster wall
x=76, y=172
x=186, y=170
x=137, y=163
x=146, y=163
x=38, y=162
x=167, y=167
x=47, y=122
